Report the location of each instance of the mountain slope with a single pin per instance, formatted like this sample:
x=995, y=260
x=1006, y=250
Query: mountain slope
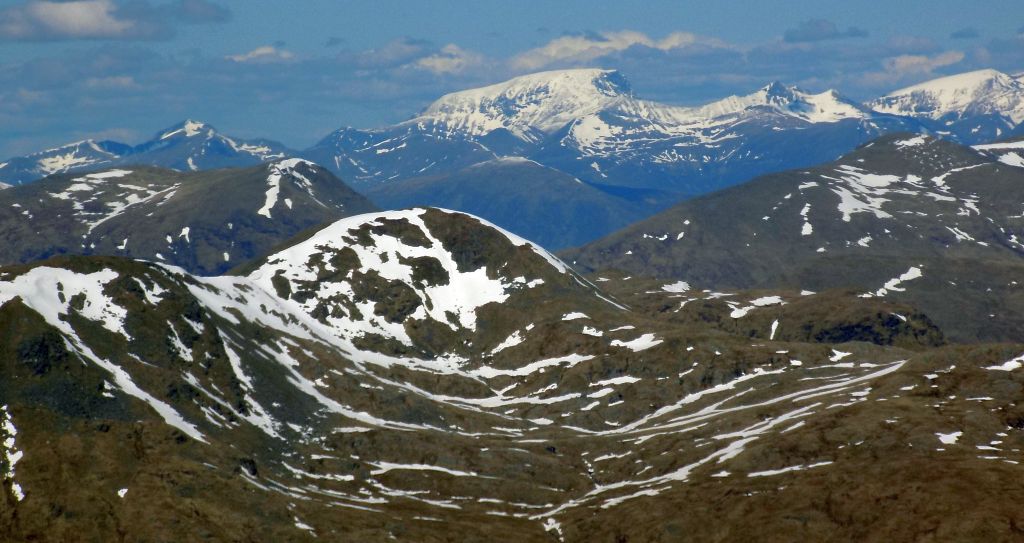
x=905, y=217
x=974, y=107
x=188, y=146
x=406, y=374
x=542, y=204
x=588, y=123
x=205, y=222
x=1009, y=152
x=357, y=155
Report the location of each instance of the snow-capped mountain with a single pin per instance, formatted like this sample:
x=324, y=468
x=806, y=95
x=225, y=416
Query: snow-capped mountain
x=974, y=107
x=828, y=106
x=904, y=217
x=81, y=155
x=204, y=222
x=187, y=146
x=534, y=106
x=529, y=107
x=589, y=124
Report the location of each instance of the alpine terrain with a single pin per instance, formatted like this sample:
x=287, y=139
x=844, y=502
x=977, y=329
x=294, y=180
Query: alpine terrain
x=739, y=274
x=423, y=376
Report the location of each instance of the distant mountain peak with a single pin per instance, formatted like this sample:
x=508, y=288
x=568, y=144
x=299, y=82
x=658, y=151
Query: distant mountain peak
x=967, y=81
x=187, y=128
x=827, y=106
x=779, y=89
x=981, y=92
x=546, y=101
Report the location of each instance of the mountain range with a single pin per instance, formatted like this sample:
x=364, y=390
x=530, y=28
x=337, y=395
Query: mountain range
x=589, y=124
x=417, y=374
x=631, y=157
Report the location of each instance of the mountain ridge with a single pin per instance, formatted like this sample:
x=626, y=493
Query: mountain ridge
x=913, y=206
x=205, y=222
x=186, y=146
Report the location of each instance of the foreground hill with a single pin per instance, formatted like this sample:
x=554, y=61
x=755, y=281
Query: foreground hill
x=204, y=222
x=906, y=217
x=187, y=146
x=543, y=204
x=413, y=375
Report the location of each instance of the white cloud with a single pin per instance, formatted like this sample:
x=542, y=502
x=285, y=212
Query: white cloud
x=121, y=82
x=451, y=59
x=922, y=64
x=41, y=20
x=902, y=67
x=78, y=19
x=584, y=48
x=265, y=53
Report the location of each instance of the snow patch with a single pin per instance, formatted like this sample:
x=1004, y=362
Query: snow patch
x=641, y=343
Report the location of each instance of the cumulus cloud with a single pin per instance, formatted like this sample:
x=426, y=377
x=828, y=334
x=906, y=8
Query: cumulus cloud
x=265, y=53
x=450, y=59
x=46, y=20
x=112, y=82
x=820, y=30
x=922, y=64
x=72, y=20
x=904, y=68
x=583, y=48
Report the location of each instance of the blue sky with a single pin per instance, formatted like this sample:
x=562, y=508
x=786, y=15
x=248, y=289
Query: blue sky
x=294, y=71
